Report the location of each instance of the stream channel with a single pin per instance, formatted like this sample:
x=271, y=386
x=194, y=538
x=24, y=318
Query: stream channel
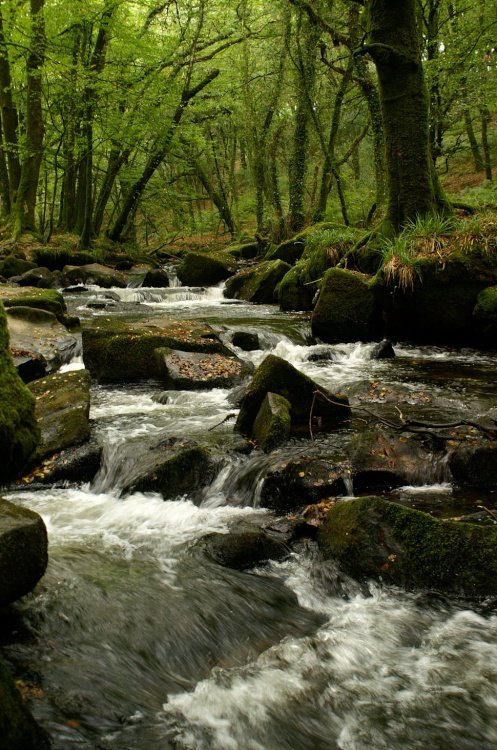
x=138, y=642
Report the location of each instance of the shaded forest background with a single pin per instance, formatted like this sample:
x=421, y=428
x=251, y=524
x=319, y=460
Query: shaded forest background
x=147, y=121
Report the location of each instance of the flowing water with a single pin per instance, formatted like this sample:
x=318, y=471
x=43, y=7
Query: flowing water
x=135, y=641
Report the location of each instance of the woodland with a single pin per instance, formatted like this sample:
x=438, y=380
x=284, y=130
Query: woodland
x=142, y=122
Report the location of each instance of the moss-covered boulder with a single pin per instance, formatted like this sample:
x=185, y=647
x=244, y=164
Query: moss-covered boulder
x=295, y=482
x=257, y=284
x=11, y=265
x=475, y=465
x=19, y=431
x=244, y=250
x=246, y=341
x=78, y=464
x=191, y=370
x=439, y=305
x=44, y=299
x=115, y=351
x=373, y=538
x=41, y=278
x=197, y=269
x=94, y=273
x=272, y=425
x=345, y=310
x=172, y=468
x=18, y=729
x=276, y=375
x=156, y=278
x=62, y=410
x=23, y=551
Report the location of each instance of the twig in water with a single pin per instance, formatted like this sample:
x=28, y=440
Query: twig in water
x=227, y=417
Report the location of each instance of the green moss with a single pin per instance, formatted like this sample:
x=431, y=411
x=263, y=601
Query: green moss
x=345, y=309
x=19, y=431
x=487, y=301
x=257, y=284
x=197, y=269
x=375, y=538
x=45, y=299
x=273, y=422
x=14, y=266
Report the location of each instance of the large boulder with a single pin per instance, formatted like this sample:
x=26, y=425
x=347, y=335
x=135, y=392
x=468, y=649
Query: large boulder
x=244, y=549
x=475, y=465
x=373, y=538
x=19, y=431
x=18, y=729
x=438, y=306
x=39, y=333
x=44, y=299
x=115, y=351
x=258, y=283
x=293, y=483
x=95, y=273
x=78, y=464
x=11, y=265
x=172, y=468
x=197, y=269
x=345, y=310
x=23, y=551
x=42, y=278
x=275, y=375
x=62, y=410
x=191, y=370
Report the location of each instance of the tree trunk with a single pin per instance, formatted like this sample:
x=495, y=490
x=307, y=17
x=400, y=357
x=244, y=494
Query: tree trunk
x=394, y=44
x=9, y=116
x=25, y=203
x=485, y=120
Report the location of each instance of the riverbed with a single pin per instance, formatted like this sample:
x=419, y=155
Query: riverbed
x=134, y=640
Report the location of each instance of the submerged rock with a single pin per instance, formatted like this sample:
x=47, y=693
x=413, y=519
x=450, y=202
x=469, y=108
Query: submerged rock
x=191, y=370
x=244, y=549
x=19, y=431
x=18, y=729
x=373, y=538
x=62, y=410
x=23, y=551
x=275, y=375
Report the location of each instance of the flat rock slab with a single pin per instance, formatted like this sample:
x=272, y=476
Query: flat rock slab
x=192, y=370
x=95, y=273
x=62, y=409
x=116, y=351
x=23, y=551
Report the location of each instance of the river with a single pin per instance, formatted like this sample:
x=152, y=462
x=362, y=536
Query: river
x=135, y=641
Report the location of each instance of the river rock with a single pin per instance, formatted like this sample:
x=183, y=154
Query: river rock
x=197, y=269
x=383, y=350
x=275, y=375
x=383, y=461
x=62, y=410
x=191, y=370
x=44, y=299
x=79, y=463
x=38, y=332
x=244, y=549
x=115, y=351
x=272, y=424
x=94, y=273
x=23, y=551
x=11, y=265
x=172, y=468
x=345, y=309
x=258, y=283
x=156, y=278
x=41, y=278
x=19, y=431
x=29, y=365
x=18, y=729
x=373, y=538
x=475, y=465
x=293, y=483
x=246, y=341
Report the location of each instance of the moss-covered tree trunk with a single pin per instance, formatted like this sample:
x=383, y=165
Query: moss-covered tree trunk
x=393, y=42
